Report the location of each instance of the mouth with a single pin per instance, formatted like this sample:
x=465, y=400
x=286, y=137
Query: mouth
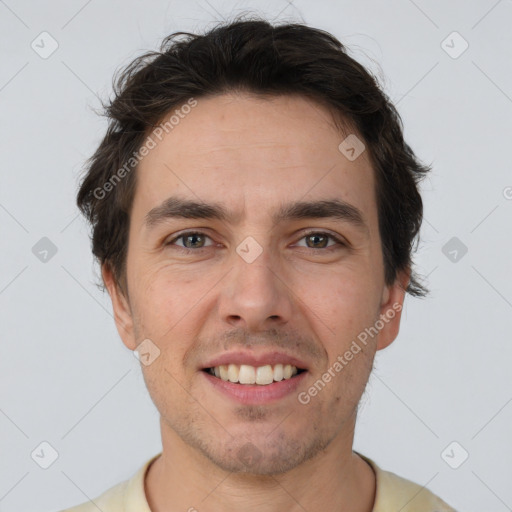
x=245, y=375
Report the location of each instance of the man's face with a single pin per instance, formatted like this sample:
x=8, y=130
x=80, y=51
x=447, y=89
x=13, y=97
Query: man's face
x=251, y=285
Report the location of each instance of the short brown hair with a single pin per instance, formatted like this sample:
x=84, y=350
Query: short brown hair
x=251, y=55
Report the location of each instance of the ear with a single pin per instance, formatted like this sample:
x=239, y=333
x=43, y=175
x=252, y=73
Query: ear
x=391, y=309
x=120, y=306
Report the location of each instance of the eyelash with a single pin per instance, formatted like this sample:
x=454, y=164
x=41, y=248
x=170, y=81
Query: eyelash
x=339, y=242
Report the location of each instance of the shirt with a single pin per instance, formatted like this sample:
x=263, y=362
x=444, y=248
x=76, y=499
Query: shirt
x=393, y=494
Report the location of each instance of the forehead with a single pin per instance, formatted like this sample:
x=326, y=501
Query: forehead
x=251, y=152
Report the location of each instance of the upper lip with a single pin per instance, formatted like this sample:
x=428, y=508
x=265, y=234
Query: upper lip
x=254, y=359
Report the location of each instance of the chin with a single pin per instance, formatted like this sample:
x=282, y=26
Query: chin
x=265, y=456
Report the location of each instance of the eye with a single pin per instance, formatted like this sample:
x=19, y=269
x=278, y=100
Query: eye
x=319, y=240
x=191, y=240
x=196, y=240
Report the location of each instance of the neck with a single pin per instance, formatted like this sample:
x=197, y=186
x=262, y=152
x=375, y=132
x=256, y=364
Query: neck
x=183, y=479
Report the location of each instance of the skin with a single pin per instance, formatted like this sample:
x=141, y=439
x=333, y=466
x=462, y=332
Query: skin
x=252, y=154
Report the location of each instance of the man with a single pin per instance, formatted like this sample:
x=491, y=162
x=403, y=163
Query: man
x=253, y=206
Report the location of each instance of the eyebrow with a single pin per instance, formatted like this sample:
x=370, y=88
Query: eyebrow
x=179, y=208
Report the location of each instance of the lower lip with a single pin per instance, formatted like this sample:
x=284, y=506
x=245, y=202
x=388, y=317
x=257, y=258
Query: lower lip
x=254, y=393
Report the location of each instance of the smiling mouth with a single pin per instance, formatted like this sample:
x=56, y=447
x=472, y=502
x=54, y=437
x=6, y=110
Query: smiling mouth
x=261, y=375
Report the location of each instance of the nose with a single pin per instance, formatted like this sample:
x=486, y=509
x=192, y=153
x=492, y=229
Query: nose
x=255, y=296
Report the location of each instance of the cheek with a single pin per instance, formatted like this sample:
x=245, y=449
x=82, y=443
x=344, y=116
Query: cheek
x=162, y=298
x=343, y=307
x=166, y=307
x=345, y=301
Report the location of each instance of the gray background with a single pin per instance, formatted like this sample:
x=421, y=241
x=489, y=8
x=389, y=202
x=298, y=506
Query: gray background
x=65, y=376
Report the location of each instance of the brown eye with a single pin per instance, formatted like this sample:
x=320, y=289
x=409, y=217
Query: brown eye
x=319, y=240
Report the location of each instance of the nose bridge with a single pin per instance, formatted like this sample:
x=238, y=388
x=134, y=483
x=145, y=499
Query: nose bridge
x=254, y=293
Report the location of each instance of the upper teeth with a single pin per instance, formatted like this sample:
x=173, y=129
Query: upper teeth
x=245, y=374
